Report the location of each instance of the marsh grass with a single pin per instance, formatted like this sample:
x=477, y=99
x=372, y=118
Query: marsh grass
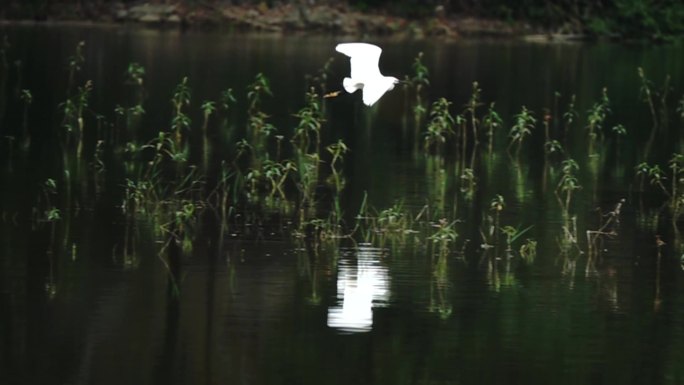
x=491, y=121
x=567, y=186
x=596, y=121
x=417, y=84
x=524, y=124
x=512, y=234
x=439, y=128
x=657, y=300
x=52, y=216
x=392, y=225
x=295, y=176
x=490, y=236
x=443, y=237
x=468, y=183
x=528, y=251
x=27, y=99
x=609, y=224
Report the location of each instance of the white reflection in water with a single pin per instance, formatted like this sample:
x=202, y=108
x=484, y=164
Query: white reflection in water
x=362, y=283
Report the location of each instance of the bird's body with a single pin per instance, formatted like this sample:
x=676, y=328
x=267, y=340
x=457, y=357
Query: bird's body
x=365, y=73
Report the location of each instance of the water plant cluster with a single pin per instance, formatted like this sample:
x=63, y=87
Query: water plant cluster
x=289, y=182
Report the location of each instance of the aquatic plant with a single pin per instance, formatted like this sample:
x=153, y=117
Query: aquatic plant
x=491, y=121
x=437, y=190
x=308, y=172
x=676, y=164
x=416, y=84
x=221, y=195
x=567, y=185
x=468, y=182
x=379, y=226
x=256, y=90
x=320, y=80
x=337, y=150
x=641, y=171
x=419, y=80
x=253, y=179
x=524, y=123
x=440, y=126
x=657, y=178
x=310, y=123
x=51, y=214
x=597, y=115
x=27, y=99
x=421, y=73
x=528, y=250
x=512, y=234
x=135, y=74
x=619, y=130
x=647, y=95
x=490, y=234
x=657, y=300
x=227, y=99
x=471, y=110
x=258, y=127
x=75, y=63
x=45, y=209
x=73, y=110
x=308, y=152
x=98, y=165
x=180, y=121
x=444, y=235
x=208, y=107
x=552, y=147
x=570, y=116
x=135, y=78
x=185, y=218
x=226, y=102
x=131, y=115
x=393, y=220
x=276, y=173
x=608, y=225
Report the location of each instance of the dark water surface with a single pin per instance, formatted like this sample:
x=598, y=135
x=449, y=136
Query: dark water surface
x=255, y=305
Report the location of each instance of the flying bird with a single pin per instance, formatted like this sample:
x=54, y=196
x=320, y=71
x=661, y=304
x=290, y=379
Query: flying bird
x=365, y=73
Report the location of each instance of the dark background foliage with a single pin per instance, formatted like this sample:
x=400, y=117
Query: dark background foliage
x=623, y=18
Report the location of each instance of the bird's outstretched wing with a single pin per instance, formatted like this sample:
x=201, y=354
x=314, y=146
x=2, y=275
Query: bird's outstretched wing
x=364, y=59
x=373, y=92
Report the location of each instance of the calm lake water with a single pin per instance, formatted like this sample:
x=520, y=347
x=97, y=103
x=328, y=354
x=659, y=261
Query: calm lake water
x=256, y=304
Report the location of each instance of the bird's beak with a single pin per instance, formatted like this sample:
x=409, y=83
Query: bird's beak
x=331, y=94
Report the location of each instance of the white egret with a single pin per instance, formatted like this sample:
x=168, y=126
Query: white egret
x=365, y=73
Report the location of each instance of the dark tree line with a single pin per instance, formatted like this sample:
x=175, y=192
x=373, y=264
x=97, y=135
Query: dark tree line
x=649, y=18
x=604, y=17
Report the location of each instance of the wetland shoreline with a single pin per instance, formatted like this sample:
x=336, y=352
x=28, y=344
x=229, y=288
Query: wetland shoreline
x=286, y=19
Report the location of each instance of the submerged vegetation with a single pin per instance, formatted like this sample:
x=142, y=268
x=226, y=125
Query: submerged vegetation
x=292, y=180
